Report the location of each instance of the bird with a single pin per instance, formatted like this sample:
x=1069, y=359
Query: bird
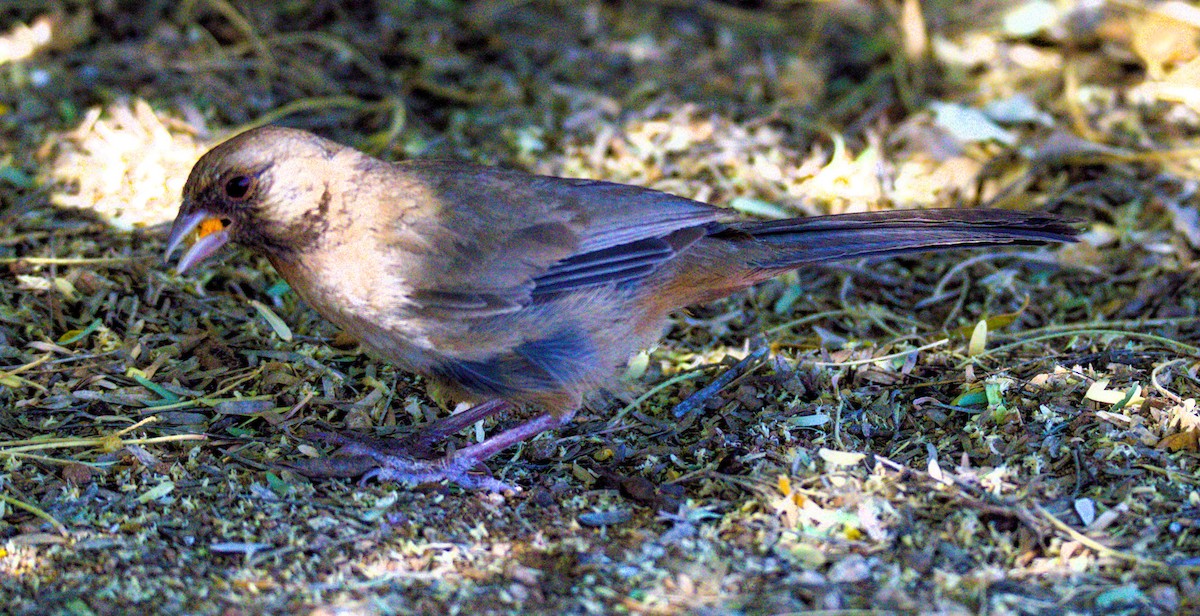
x=512, y=290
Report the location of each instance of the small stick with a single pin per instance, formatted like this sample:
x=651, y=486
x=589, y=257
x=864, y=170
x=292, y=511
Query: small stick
x=694, y=402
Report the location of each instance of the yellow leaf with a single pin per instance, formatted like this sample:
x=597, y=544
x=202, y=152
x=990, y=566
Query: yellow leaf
x=277, y=325
x=994, y=323
x=840, y=458
x=1099, y=392
x=1180, y=441
x=1162, y=38
x=978, y=339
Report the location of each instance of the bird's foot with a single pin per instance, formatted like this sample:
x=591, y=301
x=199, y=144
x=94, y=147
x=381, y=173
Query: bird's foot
x=453, y=468
x=416, y=446
x=389, y=460
x=398, y=460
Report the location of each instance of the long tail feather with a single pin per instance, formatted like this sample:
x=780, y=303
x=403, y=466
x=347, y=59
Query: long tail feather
x=873, y=234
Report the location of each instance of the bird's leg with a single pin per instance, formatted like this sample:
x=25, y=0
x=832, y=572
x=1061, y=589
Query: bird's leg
x=455, y=466
x=438, y=430
x=420, y=443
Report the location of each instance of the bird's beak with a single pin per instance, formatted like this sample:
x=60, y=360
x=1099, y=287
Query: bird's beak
x=211, y=234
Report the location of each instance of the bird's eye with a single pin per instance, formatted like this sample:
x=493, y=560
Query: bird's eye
x=238, y=186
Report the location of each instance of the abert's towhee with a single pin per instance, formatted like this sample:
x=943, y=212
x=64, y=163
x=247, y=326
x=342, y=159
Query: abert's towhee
x=510, y=288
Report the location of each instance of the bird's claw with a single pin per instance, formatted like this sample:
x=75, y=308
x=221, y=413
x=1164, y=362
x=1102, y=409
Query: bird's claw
x=428, y=471
x=396, y=462
x=391, y=460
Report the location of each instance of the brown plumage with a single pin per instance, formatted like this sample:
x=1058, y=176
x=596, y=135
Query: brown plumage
x=510, y=288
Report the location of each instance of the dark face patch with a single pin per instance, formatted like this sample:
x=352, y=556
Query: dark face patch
x=283, y=240
x=326, y=197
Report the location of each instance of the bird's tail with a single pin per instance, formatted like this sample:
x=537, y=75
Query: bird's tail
x=786, y=244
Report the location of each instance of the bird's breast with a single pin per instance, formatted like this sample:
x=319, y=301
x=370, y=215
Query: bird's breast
x=356, y=295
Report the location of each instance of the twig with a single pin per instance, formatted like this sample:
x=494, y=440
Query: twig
x=694, y=402
x=62, y=530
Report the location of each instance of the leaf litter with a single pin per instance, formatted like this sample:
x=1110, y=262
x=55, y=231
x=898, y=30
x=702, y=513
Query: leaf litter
x=958, y=433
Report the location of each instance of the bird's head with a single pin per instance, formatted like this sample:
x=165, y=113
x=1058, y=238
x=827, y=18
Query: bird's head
x=266, y=188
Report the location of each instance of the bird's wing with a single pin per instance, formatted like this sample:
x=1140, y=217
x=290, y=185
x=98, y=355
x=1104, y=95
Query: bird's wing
x=487, y=241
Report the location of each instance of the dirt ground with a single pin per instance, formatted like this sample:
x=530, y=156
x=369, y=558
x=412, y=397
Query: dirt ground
x=1000, y=432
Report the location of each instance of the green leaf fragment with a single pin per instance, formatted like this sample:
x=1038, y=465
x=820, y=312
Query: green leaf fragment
x=157, y=492
x=166, y=395
x=75, y=335
x=758, y=207
x=277, y=325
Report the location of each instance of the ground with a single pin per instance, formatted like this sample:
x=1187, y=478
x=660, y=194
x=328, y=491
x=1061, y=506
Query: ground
x=1009, y=432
